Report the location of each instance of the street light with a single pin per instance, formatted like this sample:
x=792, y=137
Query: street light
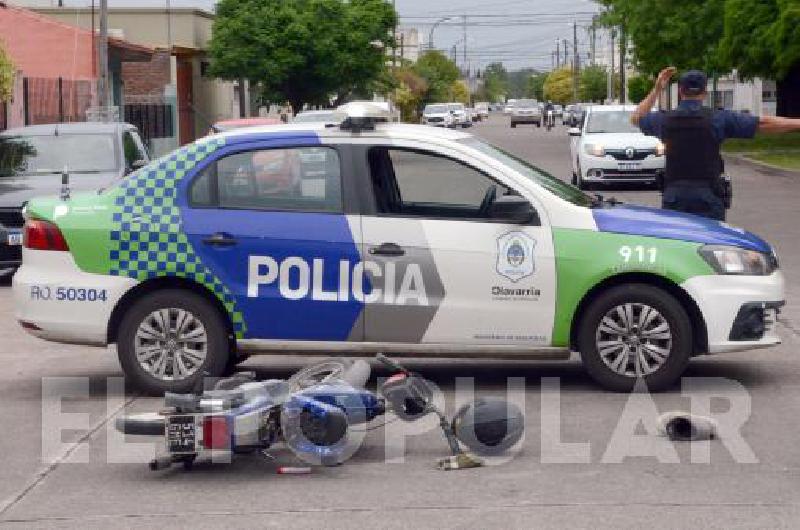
x=435, y=24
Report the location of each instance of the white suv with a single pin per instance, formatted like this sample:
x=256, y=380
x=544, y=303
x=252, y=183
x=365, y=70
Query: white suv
x=607, y=148
x=438, y=115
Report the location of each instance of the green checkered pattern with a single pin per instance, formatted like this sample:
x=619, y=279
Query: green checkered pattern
x=147, y=240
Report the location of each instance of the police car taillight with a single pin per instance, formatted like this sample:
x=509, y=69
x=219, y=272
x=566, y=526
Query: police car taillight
x=43, y=235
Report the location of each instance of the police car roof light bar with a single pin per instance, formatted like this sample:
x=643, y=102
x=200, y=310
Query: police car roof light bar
x=359, y=116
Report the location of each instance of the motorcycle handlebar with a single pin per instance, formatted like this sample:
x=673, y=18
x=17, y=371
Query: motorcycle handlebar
x=390, y=363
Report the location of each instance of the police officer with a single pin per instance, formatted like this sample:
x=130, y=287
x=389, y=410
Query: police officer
x=549, y=113
x=693, y=135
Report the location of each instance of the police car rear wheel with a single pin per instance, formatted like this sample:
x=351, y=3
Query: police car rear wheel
x=170, y=339
x=635, y=332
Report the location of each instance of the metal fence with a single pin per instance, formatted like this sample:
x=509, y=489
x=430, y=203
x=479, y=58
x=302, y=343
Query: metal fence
x=56, y=100
x=153, y=120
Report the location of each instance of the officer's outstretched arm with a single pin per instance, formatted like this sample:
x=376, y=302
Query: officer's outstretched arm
x=647, y=103
x=777, y=125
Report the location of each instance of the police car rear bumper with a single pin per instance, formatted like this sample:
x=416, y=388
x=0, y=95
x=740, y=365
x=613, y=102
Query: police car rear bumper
x=724, y=301
x=56, y=301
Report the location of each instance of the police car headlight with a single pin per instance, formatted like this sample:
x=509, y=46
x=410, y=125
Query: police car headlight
x=594, y=149
x=739, y=261
x=661, y=149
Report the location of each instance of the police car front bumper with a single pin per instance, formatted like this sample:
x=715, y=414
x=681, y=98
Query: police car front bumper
x=740, y=312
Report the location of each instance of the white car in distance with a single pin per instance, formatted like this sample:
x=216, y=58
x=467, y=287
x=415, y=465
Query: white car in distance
x=609, y=149
x=461, y=116
x=438, y=115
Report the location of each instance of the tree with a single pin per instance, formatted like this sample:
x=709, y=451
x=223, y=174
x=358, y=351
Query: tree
x=558, y=86
x=305, y=51
x=681, y=33
x=495, y=82
x=536, y=86
x=409, y=90
x=593, y=84
x=460, y=92
x=7, y=72
x=639, y=86
x=762, y=39
x=439, y=73
x=518, y=82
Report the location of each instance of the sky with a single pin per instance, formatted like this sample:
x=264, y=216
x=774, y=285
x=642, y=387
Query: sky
x=520, y=33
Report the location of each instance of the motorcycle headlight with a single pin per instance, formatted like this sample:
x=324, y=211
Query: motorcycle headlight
x=595, y=149
x=661, y=149
x=739, y=261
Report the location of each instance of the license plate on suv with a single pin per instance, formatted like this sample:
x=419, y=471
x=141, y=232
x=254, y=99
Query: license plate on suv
x=14, y=239
x=629, y=166
x=181, y=434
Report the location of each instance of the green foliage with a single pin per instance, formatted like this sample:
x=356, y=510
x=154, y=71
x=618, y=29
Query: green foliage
x=304, y=51
x=559, y=86
x=593, y=84
x=7, y=72
x=518, y=82
x=460, y=92
x=536, y=87
x=682, y=33
x=495, y=83
x=762, y=38
x=639, y=86
x=439, y=73
x=409, y=91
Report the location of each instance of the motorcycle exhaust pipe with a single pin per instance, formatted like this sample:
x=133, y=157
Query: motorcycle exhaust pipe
x=685, y=427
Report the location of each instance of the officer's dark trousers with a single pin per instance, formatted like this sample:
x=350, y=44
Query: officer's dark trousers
x=698, y=200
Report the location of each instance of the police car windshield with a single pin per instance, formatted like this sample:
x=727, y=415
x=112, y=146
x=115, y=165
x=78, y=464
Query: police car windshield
x=44, y=155
x=613, y=121
x=545, y=180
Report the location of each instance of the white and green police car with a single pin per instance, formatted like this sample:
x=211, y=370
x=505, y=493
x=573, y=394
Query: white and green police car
x=383, y=237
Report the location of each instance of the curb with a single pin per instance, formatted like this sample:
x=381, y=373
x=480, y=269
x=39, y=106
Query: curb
x=763, y=167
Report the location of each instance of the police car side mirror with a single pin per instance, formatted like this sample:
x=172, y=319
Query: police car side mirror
x=137, y=165
x=514, y=209
x=575, y=131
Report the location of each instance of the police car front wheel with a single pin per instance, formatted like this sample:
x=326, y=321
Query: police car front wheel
x=635, y=332
x=169, y=339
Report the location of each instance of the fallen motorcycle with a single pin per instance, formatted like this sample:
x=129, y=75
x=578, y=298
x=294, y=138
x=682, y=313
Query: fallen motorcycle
x=316, y=413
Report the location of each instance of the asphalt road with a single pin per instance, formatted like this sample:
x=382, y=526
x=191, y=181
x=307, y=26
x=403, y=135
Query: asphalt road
x=82, y=487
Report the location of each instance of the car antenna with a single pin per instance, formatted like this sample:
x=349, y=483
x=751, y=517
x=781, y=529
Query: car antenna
x=65, y=184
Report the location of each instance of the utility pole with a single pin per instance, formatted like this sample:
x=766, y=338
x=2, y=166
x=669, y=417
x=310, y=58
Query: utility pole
x=394, y=36
x=576, y=65
x=102, y=78
x=466, y=68
x=594, y=39
x=623, y=43
x=558, y=55
x=611, y=73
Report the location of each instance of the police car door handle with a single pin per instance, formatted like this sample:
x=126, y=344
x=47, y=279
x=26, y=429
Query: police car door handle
x=388, y=249
x=220, y=239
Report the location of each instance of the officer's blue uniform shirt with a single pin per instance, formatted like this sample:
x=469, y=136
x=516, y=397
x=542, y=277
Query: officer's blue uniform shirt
x=726, y=123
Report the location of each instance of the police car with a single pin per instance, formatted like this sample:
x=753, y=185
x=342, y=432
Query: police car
x=406, y=240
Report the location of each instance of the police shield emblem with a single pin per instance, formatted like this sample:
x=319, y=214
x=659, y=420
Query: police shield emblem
x=515, y=256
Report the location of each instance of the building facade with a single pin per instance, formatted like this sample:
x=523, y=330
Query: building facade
x=176, y=75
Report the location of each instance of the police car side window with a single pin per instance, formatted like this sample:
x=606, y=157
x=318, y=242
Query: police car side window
x=416, y=183
x=289, y=179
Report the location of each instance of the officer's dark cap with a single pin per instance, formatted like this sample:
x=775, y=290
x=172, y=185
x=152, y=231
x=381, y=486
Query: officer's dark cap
x=693, y=82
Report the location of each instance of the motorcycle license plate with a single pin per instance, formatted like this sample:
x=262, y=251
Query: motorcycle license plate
x=181, y=434
x=15, y=239
x=629, y=166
